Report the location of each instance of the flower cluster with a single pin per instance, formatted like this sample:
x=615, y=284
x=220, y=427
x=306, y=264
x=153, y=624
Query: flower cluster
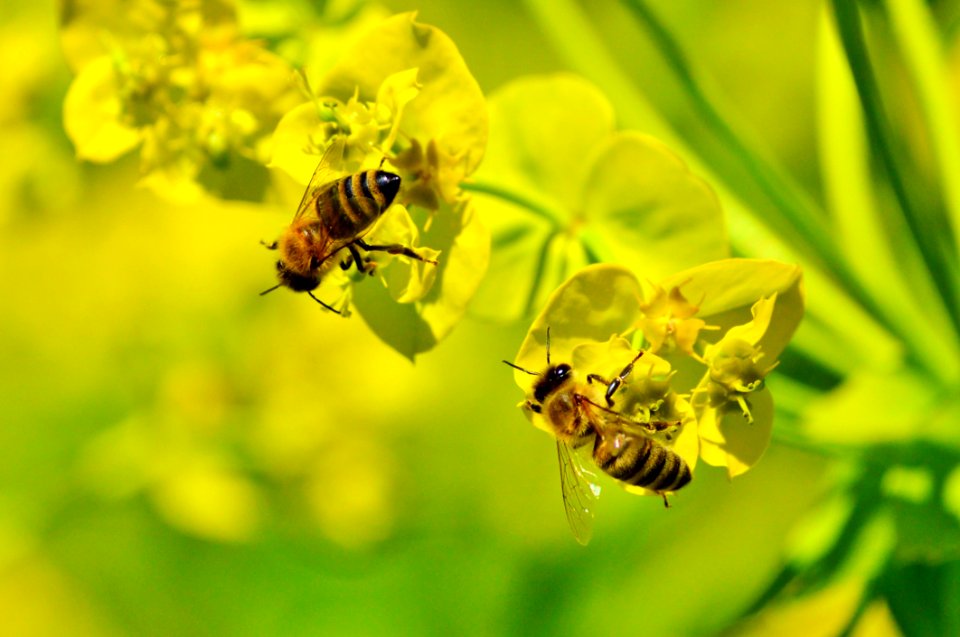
x=402, y=98
x=212, y=113
x=179, y=82
x=714, y=388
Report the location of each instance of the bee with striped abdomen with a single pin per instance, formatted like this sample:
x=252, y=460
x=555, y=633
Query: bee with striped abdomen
x=624, y=448
x=333, y=216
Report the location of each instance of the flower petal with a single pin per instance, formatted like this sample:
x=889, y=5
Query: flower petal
x=728, y=440
x=414, y=328
x=92, y=114
x=595, y=303
x=450, y=107
x=651, y=213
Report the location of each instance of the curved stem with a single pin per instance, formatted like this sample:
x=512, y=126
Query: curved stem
x=498, y=192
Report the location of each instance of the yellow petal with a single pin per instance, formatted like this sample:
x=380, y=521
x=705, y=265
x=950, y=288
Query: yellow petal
x=92, y=113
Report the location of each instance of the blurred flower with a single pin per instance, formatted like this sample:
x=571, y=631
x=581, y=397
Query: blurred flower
x=562, y=188
x=177, y=81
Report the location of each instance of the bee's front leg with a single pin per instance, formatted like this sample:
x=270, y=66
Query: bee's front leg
x=614, y=385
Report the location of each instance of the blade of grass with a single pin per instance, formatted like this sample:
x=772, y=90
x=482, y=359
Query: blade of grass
x=920, y=44
x=798, y=211
x=910, y=304
x=927, y=239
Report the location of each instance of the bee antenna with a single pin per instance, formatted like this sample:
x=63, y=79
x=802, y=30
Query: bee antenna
x=271, y=289
x=548, y=346
x=322, y=303
x=521, y=369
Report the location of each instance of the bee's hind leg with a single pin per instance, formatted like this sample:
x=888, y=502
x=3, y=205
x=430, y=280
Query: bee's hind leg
x=364, y=265
x=394, y=248
x=269, y=246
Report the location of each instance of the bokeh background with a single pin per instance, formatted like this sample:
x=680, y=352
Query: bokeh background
x=184, y=457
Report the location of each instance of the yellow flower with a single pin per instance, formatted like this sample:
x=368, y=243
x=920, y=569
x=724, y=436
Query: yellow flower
x=668, y=321
x=402, y=95
x=712, y=392
x=181, y=84
x=733, y=386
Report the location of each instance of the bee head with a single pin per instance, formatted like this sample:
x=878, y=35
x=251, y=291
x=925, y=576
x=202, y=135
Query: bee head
x=554, y=377
x=389, y=185
x=295, y=281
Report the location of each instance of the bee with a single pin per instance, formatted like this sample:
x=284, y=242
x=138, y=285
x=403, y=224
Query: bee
x=333, y=216
x=622, y=447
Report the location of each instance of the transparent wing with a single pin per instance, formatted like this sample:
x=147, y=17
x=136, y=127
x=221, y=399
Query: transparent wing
x=324, y=175
x=608, y=420
x=580, y=492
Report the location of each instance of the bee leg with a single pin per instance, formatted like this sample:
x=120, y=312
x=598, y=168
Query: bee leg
x=666, y=503
x=347, y=263
x=364, y=265
x=332, y=309
x=614, y=384
x=394, y=248
x=269, y=246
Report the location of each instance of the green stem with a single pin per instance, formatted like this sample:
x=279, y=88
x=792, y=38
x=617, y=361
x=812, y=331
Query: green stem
x=533, y=207
x=538, y=274
x=919, y=40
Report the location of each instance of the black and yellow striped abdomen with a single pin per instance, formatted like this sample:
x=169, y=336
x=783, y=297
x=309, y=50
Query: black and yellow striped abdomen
x=642, y=462
x=349, y=206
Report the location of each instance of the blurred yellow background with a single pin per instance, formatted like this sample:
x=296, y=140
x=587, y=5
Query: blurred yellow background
x=184, y=457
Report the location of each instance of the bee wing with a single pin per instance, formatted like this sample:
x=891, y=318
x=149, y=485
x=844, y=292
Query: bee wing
x=324, y=175
x=580, y=492
x=607, y=420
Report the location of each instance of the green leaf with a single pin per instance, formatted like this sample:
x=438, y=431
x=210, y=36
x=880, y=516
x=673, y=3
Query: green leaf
x=922, y=598
x=873, y=407
x=923, y=51
x=925, y=221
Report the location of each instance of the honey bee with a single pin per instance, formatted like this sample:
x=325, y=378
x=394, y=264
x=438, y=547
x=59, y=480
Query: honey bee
x=623, y=448
x=333, y=216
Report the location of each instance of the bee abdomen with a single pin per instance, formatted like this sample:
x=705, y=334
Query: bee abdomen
x=353, y=203
x=644, y=463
